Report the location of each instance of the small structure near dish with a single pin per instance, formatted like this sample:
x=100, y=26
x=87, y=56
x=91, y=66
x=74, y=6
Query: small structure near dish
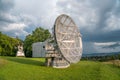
x=20, y=52
x=65, y=46
x=38, y=49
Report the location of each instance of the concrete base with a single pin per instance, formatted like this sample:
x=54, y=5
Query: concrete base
x=56, y=61
x=20, y=54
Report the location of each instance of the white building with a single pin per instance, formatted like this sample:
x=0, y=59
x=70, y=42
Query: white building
x=38, y=49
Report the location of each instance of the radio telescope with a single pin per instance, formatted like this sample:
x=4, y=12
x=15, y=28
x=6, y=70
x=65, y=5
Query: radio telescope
x=65, y=47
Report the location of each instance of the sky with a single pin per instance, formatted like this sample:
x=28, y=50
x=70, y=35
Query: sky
x=97, y=20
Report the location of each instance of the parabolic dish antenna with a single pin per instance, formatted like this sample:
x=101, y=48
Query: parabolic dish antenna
x=68, y=38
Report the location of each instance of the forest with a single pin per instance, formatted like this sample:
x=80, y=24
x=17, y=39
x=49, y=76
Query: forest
x=8, y=45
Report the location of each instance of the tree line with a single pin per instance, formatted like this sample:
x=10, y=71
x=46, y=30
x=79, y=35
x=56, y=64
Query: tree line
x=8, y=45
x=102, y=58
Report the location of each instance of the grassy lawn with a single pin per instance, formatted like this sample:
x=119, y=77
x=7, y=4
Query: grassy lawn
x=16, y=68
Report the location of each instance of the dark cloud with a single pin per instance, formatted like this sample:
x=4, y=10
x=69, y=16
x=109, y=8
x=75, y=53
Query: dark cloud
x=97, y=36
x=88, y=47
x=6, y=5
x=5, y=19
x=94, y=18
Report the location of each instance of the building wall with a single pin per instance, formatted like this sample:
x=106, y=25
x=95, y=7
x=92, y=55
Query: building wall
x=38, y=49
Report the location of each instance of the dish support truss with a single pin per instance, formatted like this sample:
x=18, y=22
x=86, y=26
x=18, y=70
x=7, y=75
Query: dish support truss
x=66, y=46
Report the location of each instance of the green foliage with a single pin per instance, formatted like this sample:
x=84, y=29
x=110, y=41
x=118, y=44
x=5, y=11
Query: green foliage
x=7, y=45
x=15, y=68
x=38, y=35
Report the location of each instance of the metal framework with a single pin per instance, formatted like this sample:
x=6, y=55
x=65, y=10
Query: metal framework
x=67, y=41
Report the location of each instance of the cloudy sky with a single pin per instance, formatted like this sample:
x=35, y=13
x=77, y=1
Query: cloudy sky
x=98, y=20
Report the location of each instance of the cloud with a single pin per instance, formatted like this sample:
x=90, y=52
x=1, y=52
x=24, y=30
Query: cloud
x=42, y=14
x=112, y=23
x=16, y=28
x=112, y=46
x=12, y=27
x=107, y=47
x=100, y=47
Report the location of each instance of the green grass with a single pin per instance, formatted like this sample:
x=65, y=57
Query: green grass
x=16, y=68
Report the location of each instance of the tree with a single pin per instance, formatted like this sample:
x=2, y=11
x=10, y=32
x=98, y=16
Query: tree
x=7, y=45
x=38, y=35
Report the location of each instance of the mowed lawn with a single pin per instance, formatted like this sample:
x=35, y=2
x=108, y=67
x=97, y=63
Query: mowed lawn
x=20, y=68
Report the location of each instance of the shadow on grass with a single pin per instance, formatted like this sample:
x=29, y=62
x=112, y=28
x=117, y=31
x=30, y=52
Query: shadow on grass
x=26, y=61
x=2, y=77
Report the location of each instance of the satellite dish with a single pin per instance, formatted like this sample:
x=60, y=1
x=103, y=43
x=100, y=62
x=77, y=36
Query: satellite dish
x=67, y=40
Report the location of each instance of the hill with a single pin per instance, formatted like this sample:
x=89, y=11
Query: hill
x=16, y=68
